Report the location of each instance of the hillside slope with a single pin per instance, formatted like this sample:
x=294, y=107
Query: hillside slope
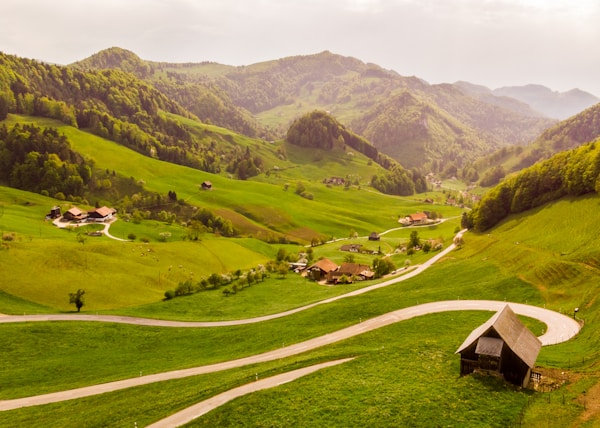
x=199, y=95
x=279, y=91
x=565, y=135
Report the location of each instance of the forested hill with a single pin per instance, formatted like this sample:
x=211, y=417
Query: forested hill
x=183, y=84
x=279, y=91
x=573, y=172
x=321, y=130
x=568, y=134
x=117, y=105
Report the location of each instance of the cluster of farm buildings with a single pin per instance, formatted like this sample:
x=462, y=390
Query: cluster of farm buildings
x=77, y=215
x=330, y=272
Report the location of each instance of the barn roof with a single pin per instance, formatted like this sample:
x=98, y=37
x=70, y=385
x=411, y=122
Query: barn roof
x=512, y=331
x=74, y=211
x=104, y=211
x=325, y=265
x=418, y=216
x=353, y=268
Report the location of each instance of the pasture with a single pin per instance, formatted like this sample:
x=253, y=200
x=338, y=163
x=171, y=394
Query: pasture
x=405, y=374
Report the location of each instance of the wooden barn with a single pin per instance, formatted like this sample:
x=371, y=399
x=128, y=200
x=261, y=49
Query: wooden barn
x=502, y=345
x=321, y=269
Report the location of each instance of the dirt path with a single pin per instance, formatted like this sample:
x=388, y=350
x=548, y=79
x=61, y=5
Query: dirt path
x=197, y=410
x=560, y=328
x=62, y=224
x=416, y=270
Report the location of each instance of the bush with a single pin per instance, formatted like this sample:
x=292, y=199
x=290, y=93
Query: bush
x=8, y=237
x=131, y=236
x=169, y=294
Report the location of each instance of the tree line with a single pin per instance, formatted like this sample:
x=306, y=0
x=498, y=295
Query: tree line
x=42, y=161
x=570, y=173
x=114, y=105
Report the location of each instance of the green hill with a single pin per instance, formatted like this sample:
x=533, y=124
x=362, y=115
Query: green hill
x=279, y=91
x=183, y=84
x=568, y=134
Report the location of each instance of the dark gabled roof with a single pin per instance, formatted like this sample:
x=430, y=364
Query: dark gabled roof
x=512, y=331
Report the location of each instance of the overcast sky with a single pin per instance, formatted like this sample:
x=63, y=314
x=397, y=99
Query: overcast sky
x=491, y=42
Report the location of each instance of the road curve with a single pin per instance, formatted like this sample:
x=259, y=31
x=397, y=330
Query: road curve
x=184, y=324
x=560, y=328
x=187, y=415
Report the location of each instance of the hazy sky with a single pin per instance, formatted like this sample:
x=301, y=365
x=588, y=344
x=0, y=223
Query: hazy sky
x=491, y=42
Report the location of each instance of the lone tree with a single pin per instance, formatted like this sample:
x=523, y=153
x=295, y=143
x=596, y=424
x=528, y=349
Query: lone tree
x=77, y=299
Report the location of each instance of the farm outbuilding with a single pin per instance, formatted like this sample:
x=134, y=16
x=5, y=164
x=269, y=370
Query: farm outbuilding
x=502, y=345
x=321, y=269
x=75, y=214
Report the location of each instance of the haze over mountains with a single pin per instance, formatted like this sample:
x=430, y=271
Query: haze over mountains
x=412, y=121
x=443, y=128
x=553, y=104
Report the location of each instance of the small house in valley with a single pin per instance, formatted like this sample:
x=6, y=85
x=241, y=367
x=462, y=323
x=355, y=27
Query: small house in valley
x=206, y=185
x=374, y=236
x=415, y=219
x=101, y=214
x=353, y=248
x=54, y=213
x=321, y=269
x=351, y=271
x=75, y=214
x=501, y=345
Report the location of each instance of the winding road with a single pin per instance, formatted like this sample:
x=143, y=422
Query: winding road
x=560, y=328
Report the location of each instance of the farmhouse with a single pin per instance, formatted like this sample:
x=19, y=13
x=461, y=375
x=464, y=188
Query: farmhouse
x=321, y=269
x=337, y=181
x=351, y=270
x=374, y=236
x=54, y=212
x=75, y=214
x=353, y=248
x=501, y=345
x=415, y=219
x=206, y=185
x=101, y=214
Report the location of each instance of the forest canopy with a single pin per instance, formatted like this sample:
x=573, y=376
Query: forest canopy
x=570, y=173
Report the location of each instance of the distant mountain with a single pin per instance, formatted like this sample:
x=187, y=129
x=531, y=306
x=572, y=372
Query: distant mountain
x=435, y=127
x=487, y=95
x=358, y=93
x=184, y=84
x=559, y=105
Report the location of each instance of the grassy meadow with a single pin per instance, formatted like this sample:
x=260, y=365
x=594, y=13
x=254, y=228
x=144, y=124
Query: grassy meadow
x=403, y=375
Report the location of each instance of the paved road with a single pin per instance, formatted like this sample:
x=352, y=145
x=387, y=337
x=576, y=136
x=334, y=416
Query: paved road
x=560, y=328
x=165, y=323
x=197, y=410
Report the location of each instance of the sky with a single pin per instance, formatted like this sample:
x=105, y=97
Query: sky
x=494, y=43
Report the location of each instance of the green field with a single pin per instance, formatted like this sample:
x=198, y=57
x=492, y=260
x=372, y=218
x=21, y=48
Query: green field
x=385, y=382
x=403, y=375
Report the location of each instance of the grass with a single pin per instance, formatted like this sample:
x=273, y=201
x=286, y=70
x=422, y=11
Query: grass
x=544, y=257
x=487, y=268
x=333, y=212
x=381, y=387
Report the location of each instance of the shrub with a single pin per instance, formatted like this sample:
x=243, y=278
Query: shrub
x=169, y=294
x=8, y=237
x=131, y=236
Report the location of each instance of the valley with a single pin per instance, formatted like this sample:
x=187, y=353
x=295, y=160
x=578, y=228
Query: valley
x=223, y=186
